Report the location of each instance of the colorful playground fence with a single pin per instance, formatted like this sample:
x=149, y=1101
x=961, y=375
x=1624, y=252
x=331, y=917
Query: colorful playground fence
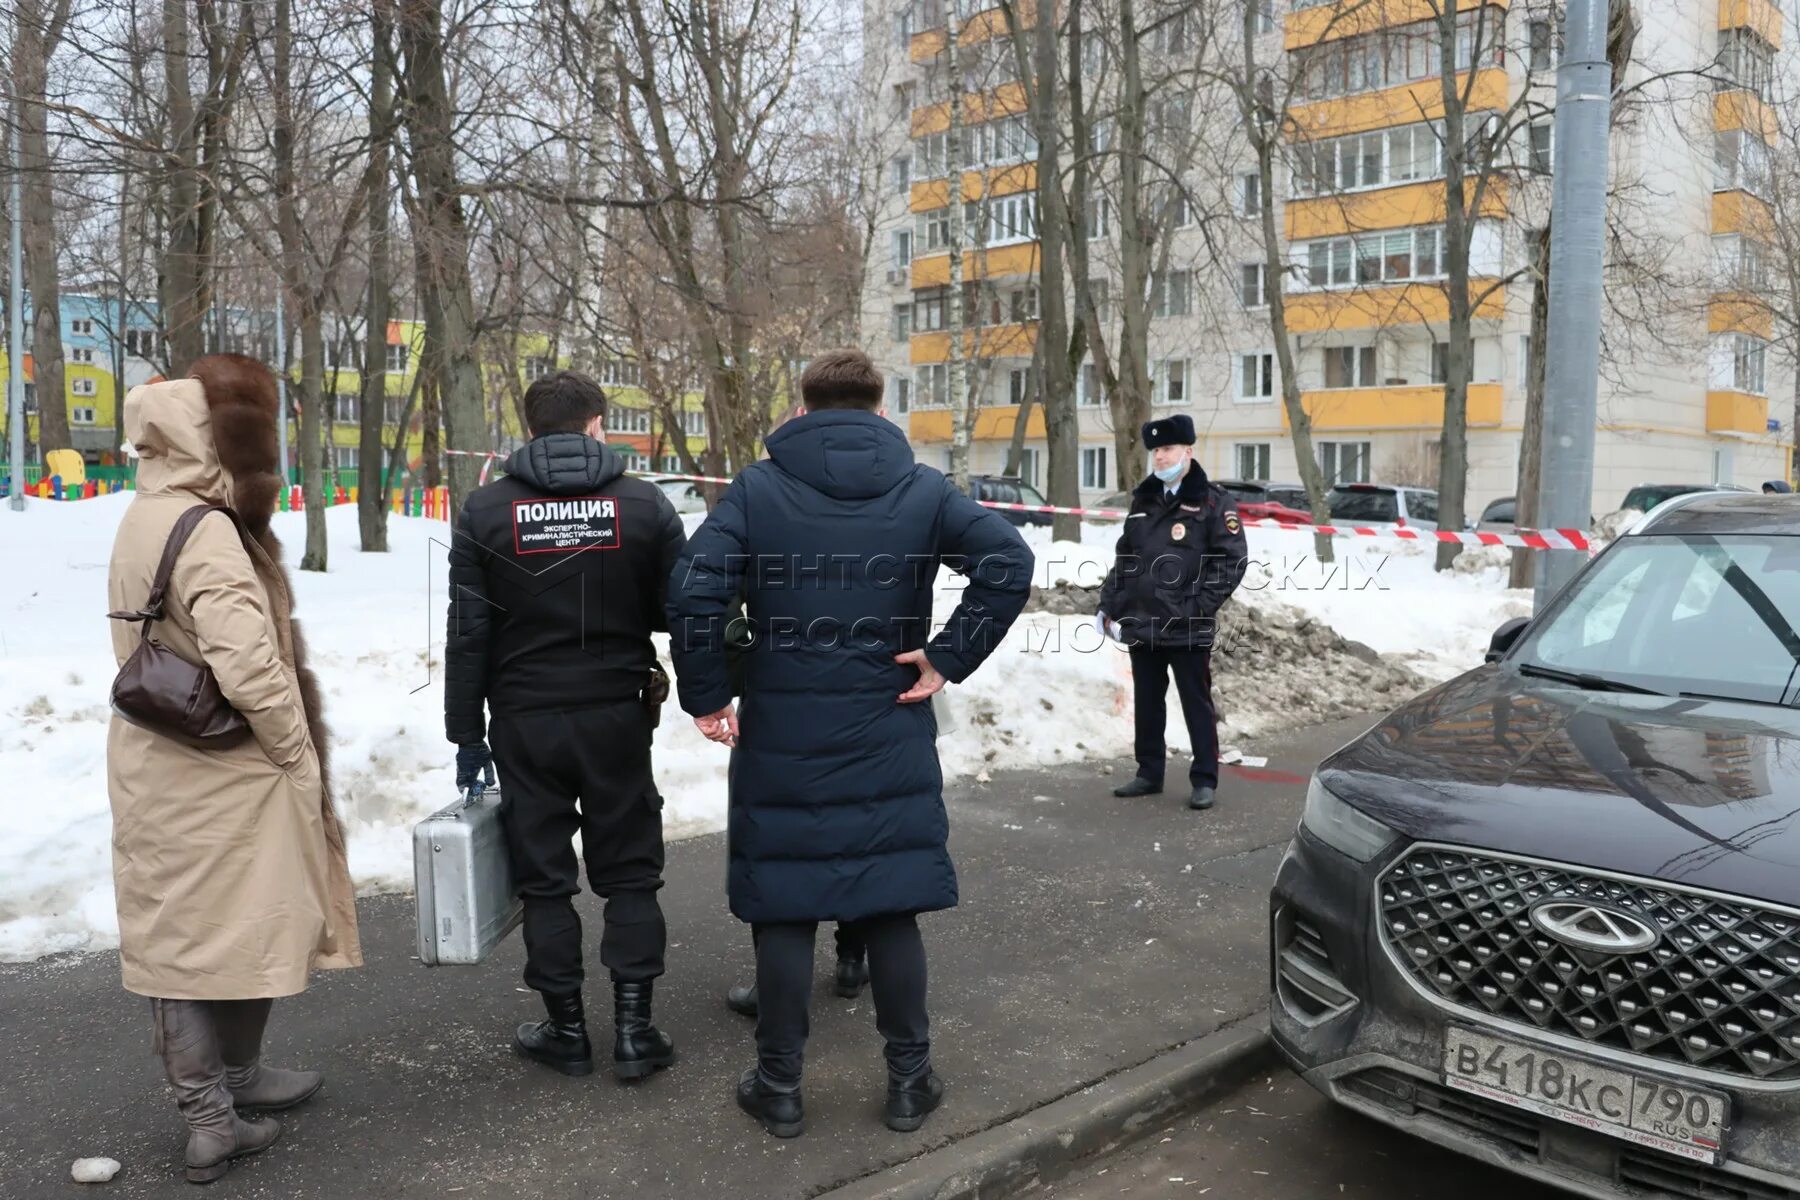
x=410, y=501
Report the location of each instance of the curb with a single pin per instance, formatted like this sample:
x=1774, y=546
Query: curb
x=1041, y=1145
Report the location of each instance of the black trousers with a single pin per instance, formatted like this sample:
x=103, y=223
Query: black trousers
x=784, y=970
x=586, y=772
x=1150, y=669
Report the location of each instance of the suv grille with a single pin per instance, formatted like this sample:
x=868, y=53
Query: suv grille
x=1720, y=989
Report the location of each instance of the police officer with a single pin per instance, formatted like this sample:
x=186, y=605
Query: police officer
x=1180, y=555
x=558, y=574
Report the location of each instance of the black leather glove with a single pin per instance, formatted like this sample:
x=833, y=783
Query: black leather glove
x=471, y=761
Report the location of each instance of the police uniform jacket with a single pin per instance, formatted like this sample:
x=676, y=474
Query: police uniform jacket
x=1178, y=558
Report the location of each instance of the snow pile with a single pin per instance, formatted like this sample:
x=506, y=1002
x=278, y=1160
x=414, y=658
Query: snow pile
x=1054, y=692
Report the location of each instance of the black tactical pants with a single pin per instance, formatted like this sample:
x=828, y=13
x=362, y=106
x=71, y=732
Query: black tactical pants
x=784, y=982
x=1150, y=669
x=586, y=771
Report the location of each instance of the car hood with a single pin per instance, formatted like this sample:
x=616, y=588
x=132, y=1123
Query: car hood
x=1702, y=793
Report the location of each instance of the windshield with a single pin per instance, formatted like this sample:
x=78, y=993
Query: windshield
x=1349, y=505
x=1244, y=491
x=1649, y=496
x=1713, y=616
x=1031, y=495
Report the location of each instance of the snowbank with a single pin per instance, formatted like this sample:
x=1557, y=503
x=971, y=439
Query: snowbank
x=375, y=627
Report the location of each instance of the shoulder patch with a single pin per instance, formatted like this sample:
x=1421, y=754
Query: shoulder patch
x=565, y=523
x=1232, y=524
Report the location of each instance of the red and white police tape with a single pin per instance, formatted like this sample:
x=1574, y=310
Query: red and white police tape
x=1530, y=539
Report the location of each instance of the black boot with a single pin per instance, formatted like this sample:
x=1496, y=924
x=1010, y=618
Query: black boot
x=781, y=1113
x=1139, y=787
x=561, y=1042
x=910, y=1102
x=639, y=1048
x=1202, y=798
x=852, y=976
x=741, y=1000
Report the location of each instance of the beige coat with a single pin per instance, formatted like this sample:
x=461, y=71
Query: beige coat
x=229, y=865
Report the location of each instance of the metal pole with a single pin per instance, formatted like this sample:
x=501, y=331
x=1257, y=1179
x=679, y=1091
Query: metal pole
x=1577, y=244
x=15, y=361
x=281, y=382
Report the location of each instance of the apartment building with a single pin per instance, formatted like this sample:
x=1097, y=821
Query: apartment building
x=109, y=348
x=1692, y=389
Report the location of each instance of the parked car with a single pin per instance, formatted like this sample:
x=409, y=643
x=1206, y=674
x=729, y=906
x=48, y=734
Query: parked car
x=1261, y=491
x=684, y=494
x=1251, y=510
x=1006, y=489
x=1381, y=504
x=1548, y=913
x=1501, y=516
x=1646, y=496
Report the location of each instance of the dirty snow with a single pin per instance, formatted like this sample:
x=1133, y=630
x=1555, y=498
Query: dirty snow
x=1053, y=693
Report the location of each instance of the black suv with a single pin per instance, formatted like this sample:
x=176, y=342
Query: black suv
x=1007, y=489
x=1548, y=913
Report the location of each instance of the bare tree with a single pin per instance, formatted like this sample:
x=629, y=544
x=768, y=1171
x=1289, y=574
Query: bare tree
x=38, y=28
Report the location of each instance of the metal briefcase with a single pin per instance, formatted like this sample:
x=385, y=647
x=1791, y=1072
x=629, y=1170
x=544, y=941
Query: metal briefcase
x=462, y=880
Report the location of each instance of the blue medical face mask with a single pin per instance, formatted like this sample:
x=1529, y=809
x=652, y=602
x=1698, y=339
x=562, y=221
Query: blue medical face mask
x=1171, y=474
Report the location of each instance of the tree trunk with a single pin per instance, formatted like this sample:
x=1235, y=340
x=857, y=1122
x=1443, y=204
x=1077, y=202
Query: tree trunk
x=1130, y=394
x=123, y=320
x=37, y=30
x=1459, y=226
x=371, y=494
x=1531, y=443
x=1264, y=127
x=299, y=294
x=445, y=236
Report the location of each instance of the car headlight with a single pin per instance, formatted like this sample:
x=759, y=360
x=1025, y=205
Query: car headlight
x=1345, y=829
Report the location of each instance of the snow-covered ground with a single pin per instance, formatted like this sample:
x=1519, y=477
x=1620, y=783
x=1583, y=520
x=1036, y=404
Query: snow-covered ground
x=1054, y=692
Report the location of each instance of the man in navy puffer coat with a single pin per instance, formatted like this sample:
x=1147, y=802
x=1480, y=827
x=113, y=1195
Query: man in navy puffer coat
x=837, y=810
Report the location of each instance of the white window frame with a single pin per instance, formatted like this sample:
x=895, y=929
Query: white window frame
x=82, y=355
x=83, y=387
x=1255, y=295
x=1343, y=258
x=81, y=327
x=1175, y=381
x=1260, y=463
x=1263, y=388
x=1249, y=195
x=83, y=414
x=1331, y=455
x=1093, y=468
x=397, y=358
x=1364, y=366
x=900, y=248
x=1174, y=293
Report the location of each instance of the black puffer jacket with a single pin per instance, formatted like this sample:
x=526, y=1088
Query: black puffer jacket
x=558, y=576
x=1178, y=559
x=837, y=808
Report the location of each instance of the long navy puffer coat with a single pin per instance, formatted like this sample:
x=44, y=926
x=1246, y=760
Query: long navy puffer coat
x=837, y=809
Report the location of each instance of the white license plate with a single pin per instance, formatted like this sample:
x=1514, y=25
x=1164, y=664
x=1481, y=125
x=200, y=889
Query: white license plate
x=1673, y=1118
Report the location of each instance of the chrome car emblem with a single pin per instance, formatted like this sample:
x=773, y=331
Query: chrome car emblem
x=1584, y=926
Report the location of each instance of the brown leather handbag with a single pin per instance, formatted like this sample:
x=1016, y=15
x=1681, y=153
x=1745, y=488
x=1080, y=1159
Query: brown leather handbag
x=156, y=688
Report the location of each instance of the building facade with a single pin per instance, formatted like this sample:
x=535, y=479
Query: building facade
x=1693, y=390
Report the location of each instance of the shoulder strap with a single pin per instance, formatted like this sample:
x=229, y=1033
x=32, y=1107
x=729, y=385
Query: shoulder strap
x=178, y=536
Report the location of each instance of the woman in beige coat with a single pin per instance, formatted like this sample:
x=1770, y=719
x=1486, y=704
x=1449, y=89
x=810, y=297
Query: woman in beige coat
x=228, y=864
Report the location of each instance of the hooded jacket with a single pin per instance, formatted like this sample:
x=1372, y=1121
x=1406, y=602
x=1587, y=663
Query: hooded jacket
x=557, y=577
x=834, y=543
x=228, y=865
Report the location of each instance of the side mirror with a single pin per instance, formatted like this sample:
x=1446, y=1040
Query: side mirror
x=1505, y=638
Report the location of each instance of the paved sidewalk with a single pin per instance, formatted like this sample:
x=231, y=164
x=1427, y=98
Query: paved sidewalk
x=1094, y=933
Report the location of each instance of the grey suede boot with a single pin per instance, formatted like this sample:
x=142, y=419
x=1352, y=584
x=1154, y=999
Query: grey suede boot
x=254, y=1086
x=189, y=1045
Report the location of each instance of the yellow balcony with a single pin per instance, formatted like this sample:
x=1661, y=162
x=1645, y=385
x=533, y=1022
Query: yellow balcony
x=933, y=194
x=1383, y=208
x=1394, y=407
x=1007, y=100
x=1328, y=22
x=934, y=270
x=991, y=424
x=1386, y=307
x=1763, y=16
x=992, y=341
x=1736, y=412
x=1413, y=102
x=1740, y=312
x=1740, y=212
x=981, y=27
x=1745, y=110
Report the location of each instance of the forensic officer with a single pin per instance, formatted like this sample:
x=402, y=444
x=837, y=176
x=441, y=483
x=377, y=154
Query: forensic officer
x=1180, y=555
x=558, y=575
